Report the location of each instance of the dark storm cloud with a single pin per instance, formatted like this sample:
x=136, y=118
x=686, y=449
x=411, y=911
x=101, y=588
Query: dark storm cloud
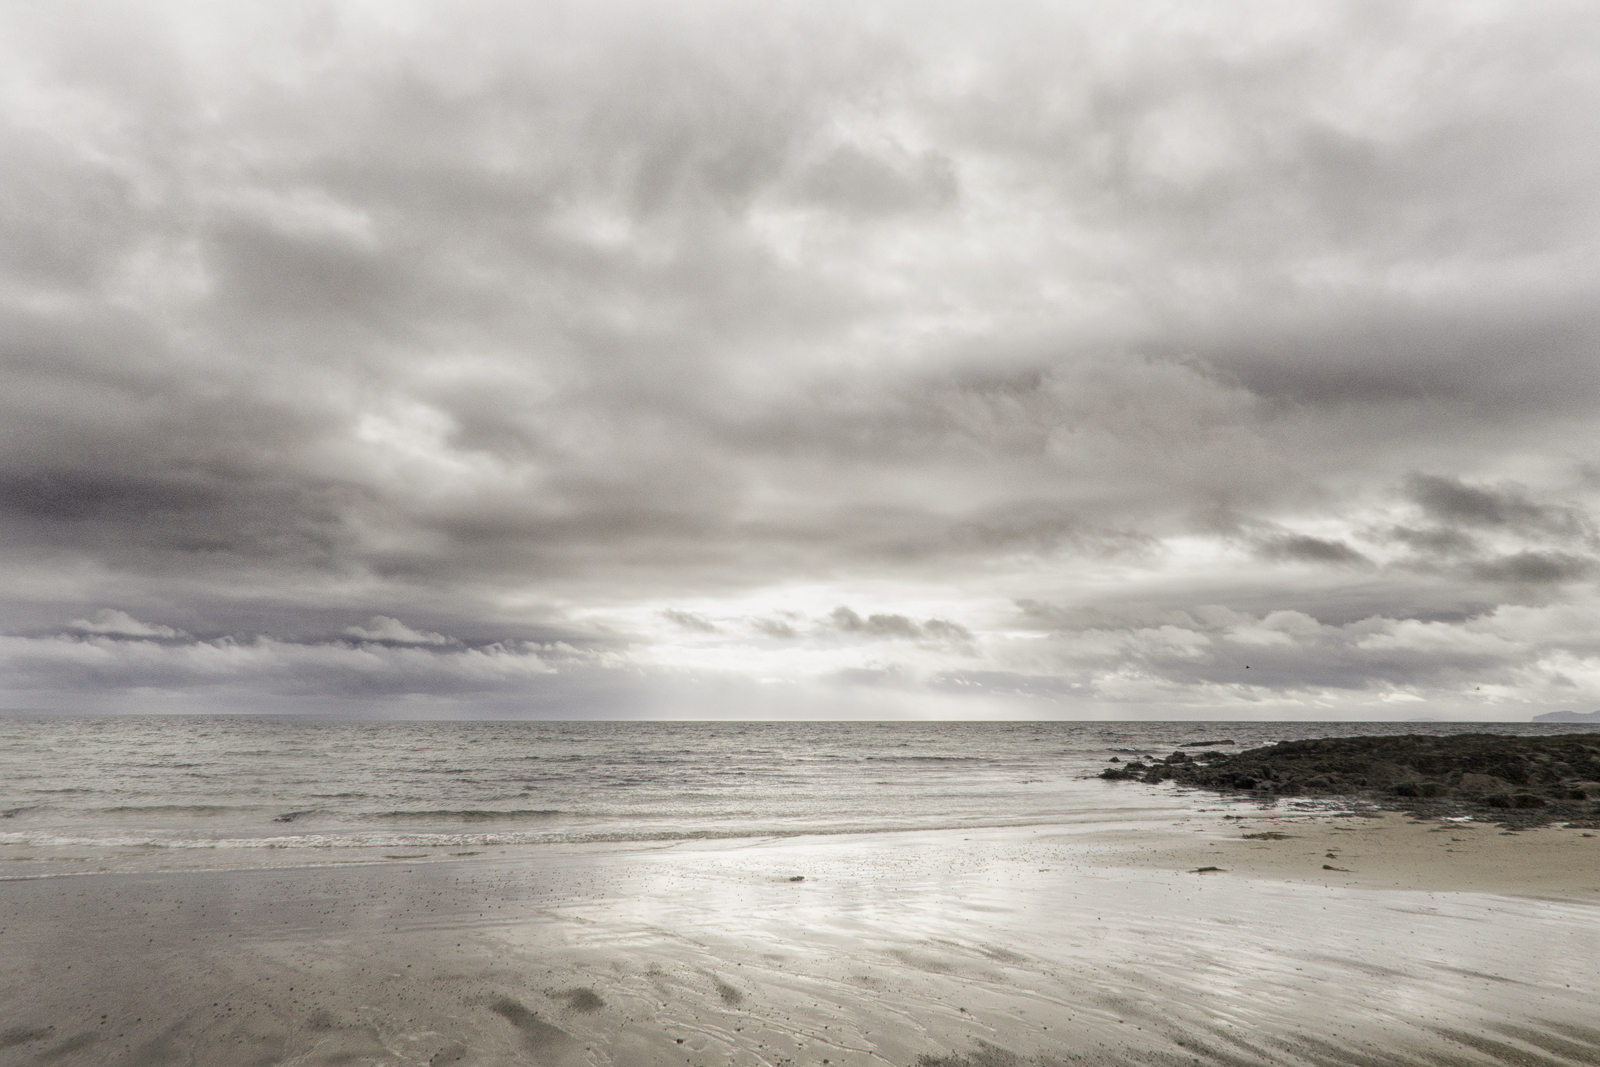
x=1535, y=567
x=343, y=330
x=1498, y=534
x=1310, y=550
x=1451, y=502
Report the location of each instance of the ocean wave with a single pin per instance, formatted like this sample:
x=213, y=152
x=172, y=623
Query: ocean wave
x=170, y=809
x=322, y=842
x=467, y=814
x=928, y=759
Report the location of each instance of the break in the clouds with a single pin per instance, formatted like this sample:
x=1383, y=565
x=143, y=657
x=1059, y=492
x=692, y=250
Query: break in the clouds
x=803, y=359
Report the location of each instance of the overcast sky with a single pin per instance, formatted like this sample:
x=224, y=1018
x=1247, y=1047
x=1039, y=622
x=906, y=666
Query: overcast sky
x=830, y=359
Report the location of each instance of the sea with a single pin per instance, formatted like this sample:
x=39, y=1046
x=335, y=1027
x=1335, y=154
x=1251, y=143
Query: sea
x=107, y=793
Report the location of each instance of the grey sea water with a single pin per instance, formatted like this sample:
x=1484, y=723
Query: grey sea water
x=103, y=787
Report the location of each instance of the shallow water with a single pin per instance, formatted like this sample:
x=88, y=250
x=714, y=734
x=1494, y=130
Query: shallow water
x=985, y=948
x=135, y=793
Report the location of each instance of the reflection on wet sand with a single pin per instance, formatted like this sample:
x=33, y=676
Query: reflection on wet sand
x=968, y=949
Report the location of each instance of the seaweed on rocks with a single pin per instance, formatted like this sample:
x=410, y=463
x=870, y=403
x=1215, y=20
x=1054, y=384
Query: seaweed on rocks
x=1515, y=781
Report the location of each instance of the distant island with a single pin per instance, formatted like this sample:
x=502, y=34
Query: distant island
x=1568, y=716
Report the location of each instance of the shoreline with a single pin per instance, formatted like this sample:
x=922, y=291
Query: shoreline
x=1017, y=946
x=1370, y=848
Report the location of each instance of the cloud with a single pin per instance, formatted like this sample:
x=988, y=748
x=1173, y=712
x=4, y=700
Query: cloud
x=109, y=661
x=385, y=630
x=897, y=626
x=776, y=628
x=1293, y=659
x=1452, y=502
x=1497, y=534
x=114, y=623
x=1535, y=567
x=1299, y=548
x=535, y=329
x=1435, y=542
x=688, y=620
x=1133, y=660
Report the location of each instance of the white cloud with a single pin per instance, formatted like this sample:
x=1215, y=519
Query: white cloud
x=383, y=628
x=121, y=624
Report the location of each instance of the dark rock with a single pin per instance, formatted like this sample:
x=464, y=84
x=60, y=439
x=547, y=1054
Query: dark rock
x=1473, y=782
x=1525, y=781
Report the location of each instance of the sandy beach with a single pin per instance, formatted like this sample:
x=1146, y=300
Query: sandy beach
x=1424, y=943
x=1385, y=851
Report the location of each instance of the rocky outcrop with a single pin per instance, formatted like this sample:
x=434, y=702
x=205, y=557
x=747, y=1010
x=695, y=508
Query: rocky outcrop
x=1516, y=780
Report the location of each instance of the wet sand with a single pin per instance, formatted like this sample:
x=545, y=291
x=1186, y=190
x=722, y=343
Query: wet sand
x=1386, y=851
x=941, y=949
